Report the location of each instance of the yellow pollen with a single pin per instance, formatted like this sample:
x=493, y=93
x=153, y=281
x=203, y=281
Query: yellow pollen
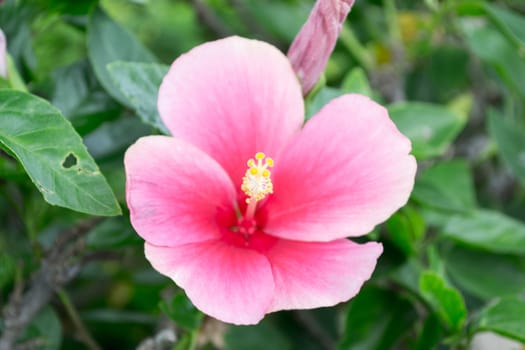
x=256, y=182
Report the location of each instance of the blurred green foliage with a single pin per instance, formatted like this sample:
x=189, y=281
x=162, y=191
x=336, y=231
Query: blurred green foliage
x=451, y=74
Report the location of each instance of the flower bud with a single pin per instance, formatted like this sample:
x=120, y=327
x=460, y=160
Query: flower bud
x=316, y=40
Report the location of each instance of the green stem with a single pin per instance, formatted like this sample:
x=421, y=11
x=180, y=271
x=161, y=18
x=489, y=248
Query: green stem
x=350, y=41
x=83, y=333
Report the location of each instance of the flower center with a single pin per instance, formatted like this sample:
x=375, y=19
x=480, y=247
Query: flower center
x=256, y=182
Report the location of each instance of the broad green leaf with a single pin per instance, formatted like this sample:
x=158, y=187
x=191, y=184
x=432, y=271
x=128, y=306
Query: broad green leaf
x=139, y=83
x=510, y=23
x=446, y=301
x=81, y=99
x=492, y=47
x=506, y=317
x=181, y=311
x=53, y=155
x=431, y=128
x=108, y=42
x=510, y=139
x=377, y=319
x=487, y=230
x=485, y=275
x=446, y=185
x=45, y=327
x=262, y=336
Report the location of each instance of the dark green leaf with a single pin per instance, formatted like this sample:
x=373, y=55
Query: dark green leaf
x=487, y=230
x=103, y=34
x=431, y=334
x=506, y=317
x=45, y=328
x=376, y=320
x=181, y=311
x=447, y=186
x=446, y=301
x=485, y=275
x=139, y=83
x=81, y=99
x=431, y=128
x=510, y=139
x=112, y=233
x=260, y=337
x=53, y=155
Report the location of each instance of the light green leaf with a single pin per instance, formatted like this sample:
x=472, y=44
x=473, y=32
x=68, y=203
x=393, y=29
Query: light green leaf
x=431, y=128
x=108, y=42
x=510, y=139
x=510, y=23
x=493, y=48
x=53, y=155
x=446, y=301
x=356, y=82
x=139, y=83
x=447, y=186
x=487, y=230
x=506, y=317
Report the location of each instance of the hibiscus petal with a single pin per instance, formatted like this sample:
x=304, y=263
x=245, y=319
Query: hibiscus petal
x=175, y=191
x=232, y=284
x=232, y=98
x=348, y=170
x=318, y=274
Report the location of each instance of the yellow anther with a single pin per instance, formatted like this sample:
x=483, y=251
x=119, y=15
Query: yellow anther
x=256, y=182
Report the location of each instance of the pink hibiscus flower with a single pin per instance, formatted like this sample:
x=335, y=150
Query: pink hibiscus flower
x=245, y=234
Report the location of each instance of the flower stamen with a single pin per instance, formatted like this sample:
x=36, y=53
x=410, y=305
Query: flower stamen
x=256, y=182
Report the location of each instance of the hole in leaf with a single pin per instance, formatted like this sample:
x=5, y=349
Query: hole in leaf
x=69, y=161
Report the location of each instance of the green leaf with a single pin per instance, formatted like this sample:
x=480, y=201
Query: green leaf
x=53, y=155
x=260, y=337
x=446, y=301
x=510, y=139
x=320, y=99
x=112, y=233
x=181, y=311
x=81, y=99
x=377, y=319
x=510, y=23
x=139, y=83
x=108, y=42
x=45, y=327
x=431, y=128
x=492, y=47
x=506, y=317
x=406, y=227
x=431, y=334
x=356, y=82
x=485, y=275
x=487, y=230
x=446, y=185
